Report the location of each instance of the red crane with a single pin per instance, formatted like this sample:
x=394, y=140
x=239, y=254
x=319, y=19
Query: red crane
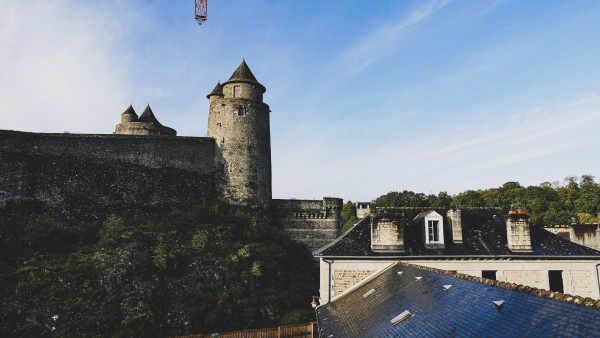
x=201, y=11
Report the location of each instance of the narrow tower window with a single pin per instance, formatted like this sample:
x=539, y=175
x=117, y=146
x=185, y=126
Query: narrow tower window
x=241, y=111
x=237, y=90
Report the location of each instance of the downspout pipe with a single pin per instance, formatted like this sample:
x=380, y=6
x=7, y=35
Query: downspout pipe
x=598, y=279
x=328, y=279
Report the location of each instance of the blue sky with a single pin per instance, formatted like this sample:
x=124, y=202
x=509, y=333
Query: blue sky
x=366, y=96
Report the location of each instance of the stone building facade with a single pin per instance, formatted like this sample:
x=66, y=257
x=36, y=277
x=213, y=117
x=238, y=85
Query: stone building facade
x=488, y=244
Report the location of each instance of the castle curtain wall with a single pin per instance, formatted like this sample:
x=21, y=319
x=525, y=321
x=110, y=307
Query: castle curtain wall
x=89, y=177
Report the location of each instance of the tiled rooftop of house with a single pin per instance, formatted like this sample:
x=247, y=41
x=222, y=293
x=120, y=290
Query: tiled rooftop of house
x=483, y=231
x=412, y=301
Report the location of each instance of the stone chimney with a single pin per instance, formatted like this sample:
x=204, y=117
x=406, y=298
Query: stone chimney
x=454, y=217
x=387, y=233
x=517, y=231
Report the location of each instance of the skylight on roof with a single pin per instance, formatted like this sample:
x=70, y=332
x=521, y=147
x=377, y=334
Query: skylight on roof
x=368, y=293
x=403, y=316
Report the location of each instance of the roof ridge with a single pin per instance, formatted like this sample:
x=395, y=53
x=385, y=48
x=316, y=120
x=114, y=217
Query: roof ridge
x=565, y=297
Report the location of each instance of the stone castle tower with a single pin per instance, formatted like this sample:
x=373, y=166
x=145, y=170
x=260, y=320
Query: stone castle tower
x=145, y=124
x=238, y=120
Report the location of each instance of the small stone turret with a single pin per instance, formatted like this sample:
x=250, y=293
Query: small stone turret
x=238, y=120
x=129, y=115
x=146, y=124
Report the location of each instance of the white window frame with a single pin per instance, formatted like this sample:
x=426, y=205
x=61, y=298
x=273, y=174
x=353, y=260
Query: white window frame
x=434, y=217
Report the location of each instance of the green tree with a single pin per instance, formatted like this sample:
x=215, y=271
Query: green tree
x=348, y=216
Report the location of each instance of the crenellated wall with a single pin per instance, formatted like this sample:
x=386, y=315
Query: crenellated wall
x=312, y=222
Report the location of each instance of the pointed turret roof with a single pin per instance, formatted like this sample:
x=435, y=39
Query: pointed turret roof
x=217, y=91
x=148, y=116
x=244, y=74
x=129, y=111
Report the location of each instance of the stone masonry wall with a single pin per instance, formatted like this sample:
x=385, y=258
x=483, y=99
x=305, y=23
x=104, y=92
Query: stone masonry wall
x=86, y=178
x=241, y=129
x=345, y=279
x=586, y=234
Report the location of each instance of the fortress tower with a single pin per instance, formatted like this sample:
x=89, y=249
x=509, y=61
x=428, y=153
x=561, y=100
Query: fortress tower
x=238, y=120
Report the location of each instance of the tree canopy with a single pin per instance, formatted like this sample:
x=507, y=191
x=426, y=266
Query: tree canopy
x=207, y=270
x=576, y=200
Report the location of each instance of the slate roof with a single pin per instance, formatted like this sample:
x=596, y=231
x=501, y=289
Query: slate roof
x=130, y=111
x=148, y=116
x=244, y=74
x=464, y=310
x=217, y=91
x=483, y=230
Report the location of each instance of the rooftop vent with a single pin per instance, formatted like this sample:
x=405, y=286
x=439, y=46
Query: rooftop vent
x=403, y=316
x=399, y=273
x=418, y=278
x=368, y=293
x=447, y=287
x=498, y=303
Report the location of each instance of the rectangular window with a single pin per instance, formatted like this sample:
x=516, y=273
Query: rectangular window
x=556, y=281
x=489, y=274
x=236, y=91
x=242, y=111
x=433, y=230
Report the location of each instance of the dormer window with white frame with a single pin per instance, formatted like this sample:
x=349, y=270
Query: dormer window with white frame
x=433, y=228
x=433, y=231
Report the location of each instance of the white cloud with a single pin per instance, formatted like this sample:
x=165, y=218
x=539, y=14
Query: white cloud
x=385, y=38
x=529, y=146
x=62, y=66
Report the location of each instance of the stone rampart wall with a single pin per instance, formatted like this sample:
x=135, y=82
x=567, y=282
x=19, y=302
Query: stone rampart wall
x=82, y=179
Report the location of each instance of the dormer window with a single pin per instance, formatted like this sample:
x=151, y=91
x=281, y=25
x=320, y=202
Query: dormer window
x=432, y=225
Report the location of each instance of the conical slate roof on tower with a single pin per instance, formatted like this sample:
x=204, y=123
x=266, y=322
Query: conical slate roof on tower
x=130, y=111
x=244, y=74
x=148, y=116
x=217, y=91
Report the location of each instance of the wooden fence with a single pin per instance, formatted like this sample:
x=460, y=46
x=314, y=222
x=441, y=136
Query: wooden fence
x=297, y=331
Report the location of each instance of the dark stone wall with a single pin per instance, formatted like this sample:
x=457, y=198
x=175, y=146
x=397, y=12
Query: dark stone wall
x=85, y=178
x=313, y=222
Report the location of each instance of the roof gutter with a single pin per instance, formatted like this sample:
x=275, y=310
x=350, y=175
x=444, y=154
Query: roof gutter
x=508, y=257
